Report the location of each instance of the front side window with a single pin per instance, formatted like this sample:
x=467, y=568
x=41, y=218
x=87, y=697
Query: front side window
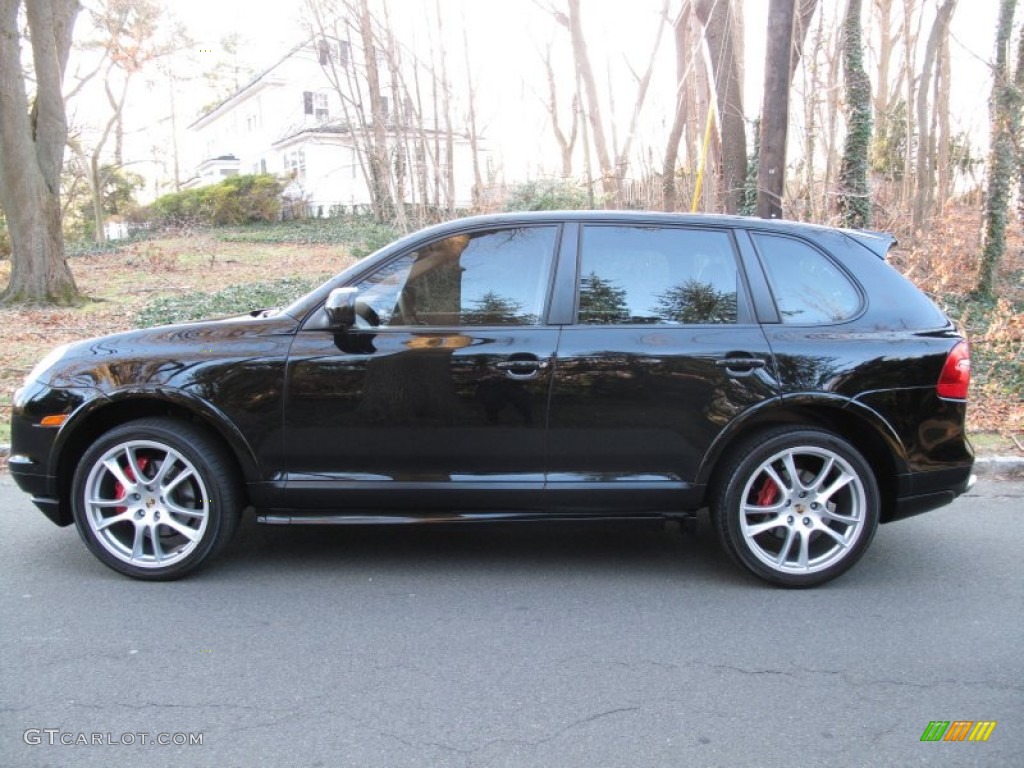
x=656, y=275
x=497, y=277
x=809, y=289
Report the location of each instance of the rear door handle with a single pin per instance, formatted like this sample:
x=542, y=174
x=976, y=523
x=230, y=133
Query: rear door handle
x=741, y=363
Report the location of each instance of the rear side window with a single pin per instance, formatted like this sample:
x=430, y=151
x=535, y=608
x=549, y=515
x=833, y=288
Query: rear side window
x=809, y=289
x=656, y=275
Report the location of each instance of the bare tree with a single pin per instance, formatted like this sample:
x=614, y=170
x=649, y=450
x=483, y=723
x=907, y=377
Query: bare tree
x=925, y=171
x=566, y=143
x=720, y=28
x=32, y=149
x=594, y=115
x=1005, y=109
x=854, y=195
x=771, y=174
x=684, y=71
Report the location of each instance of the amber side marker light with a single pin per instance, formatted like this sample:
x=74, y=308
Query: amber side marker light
x=53, y=421
x=956, y=373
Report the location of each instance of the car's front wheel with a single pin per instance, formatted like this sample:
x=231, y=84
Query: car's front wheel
x=796, y=507
x=155, y=498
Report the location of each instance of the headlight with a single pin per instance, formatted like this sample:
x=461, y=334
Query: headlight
x=44, y=365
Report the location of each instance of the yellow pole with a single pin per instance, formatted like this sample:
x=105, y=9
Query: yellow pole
x=703, y=154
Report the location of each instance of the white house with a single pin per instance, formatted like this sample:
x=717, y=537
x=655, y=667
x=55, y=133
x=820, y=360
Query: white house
x=290, y=121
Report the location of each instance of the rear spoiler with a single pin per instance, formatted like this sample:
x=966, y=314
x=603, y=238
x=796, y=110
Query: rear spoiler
x=879, y=243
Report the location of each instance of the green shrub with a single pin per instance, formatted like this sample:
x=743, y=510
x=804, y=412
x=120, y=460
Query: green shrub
x=233, y=300
x=236, y=200
x=547, y=195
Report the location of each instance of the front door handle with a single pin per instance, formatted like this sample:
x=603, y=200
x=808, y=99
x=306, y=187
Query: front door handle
x=522, y=368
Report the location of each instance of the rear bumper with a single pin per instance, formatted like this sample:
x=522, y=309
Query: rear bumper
x=932, y=490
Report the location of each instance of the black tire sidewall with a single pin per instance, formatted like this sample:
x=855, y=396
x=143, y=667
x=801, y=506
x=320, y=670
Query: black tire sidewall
x=207, y=458
x=729, y=498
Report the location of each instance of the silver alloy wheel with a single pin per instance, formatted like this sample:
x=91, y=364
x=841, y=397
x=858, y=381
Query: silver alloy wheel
x=146, y=504
x=803, y=510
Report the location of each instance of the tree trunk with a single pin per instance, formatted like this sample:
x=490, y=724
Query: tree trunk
x=32, y=151
x=719, y=30
x=380, y=192
x=883, y=9
x=944, y=137
x=680, y=28
x=1005, y=102
x=854, y=195
x=925, y=171
x=474, y=136
x=771, y=173
x=909, y=46
x=593, y=109
x=565, y=144
x=801, y=24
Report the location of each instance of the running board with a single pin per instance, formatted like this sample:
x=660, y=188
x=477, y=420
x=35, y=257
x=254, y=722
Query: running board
x=448, y=517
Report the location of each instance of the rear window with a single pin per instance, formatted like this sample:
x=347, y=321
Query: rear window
x=809, y=289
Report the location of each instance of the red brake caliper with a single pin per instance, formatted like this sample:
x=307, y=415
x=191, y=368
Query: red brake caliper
x=768, y=493
x=119, y=490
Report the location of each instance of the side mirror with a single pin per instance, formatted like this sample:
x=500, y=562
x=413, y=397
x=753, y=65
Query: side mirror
x=341, y=307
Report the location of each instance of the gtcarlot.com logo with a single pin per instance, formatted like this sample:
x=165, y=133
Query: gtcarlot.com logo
x=54, y=736
x=958, y=730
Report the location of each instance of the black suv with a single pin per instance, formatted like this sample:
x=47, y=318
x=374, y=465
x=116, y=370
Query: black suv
x=542, y=366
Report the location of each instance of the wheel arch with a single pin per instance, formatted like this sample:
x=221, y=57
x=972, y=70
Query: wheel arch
x=868, y=432
x=103, y=414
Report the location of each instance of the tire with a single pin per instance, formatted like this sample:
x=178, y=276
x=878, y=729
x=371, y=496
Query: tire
x=796, y=507
x=184, y=511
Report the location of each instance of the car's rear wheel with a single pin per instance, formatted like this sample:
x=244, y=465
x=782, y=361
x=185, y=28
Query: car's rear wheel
x=155, y=498
x=796, y=507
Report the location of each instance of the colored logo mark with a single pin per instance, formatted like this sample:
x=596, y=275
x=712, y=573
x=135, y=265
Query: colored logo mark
x=958, y=730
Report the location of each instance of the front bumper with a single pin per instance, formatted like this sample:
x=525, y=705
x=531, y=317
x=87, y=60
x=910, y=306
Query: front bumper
x=39, y=485
x=35, y=448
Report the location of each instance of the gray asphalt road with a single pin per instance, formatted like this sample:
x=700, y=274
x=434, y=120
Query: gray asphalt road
x=543, y=645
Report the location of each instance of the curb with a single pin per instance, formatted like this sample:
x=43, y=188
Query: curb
x=999, y=466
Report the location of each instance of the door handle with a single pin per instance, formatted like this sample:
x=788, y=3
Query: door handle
x=522, y=367
x=743, y=363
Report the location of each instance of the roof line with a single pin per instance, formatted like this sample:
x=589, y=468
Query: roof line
x=291, y=52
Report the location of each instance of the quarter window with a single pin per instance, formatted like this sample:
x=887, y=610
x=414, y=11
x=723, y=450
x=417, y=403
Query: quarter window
x=809, y=289
x=656, y=275
x=497, y=277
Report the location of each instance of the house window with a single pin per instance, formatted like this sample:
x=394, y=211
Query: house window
x=307, y=102
x=295, y=163
x=251, y=122
x=328, y=51
x=320, y=108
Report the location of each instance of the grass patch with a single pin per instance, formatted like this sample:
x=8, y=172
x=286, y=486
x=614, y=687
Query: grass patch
x=360, y=235
x=233, y=300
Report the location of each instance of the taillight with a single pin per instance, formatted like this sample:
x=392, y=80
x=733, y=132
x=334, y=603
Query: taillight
x=956, y=373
